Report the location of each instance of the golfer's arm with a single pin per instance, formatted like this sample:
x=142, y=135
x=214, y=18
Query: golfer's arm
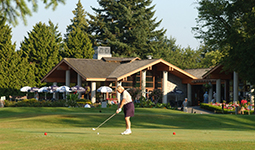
x=122, y=103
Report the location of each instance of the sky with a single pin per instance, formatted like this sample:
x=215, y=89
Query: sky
x=178, y=17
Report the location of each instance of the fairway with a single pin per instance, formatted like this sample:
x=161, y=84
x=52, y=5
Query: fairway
x=71, y=128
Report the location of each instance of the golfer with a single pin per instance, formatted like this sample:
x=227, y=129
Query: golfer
x=128, y=107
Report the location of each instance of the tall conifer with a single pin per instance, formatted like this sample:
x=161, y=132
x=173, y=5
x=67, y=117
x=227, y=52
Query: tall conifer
x=42, y=48
x=127, y=26
x=77, y=43
x=15, y=72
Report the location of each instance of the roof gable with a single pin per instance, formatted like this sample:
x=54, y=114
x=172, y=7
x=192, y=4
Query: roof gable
x=105, y=69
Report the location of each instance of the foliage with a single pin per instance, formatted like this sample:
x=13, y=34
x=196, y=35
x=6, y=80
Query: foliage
x=128, y=27
x=15, y=71
x=227, y=108
x=206, y=87
x=72, y=99
x=77, y=43
x=84, y=101
x=228, y=25
x=243, y=103
x=134, y=92
x=42, y=49
x=184, y=58
x=157, y=95
x=35, y=103
x=10, y=13
x=79, y=20
x=147, y=103
x=211, y=59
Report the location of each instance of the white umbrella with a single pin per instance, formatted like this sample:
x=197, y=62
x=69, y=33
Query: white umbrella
x=63, y=89
x=52, y=88
x=104, y=89
x=43, y=89
x=78, y=88
x=34, y=89
x=25, y=89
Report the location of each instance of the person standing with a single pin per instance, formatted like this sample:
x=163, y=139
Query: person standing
x=185, y=104
x=128, y=107
x=206, y=97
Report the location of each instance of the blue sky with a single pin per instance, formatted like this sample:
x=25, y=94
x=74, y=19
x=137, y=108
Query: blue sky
x=178, y=18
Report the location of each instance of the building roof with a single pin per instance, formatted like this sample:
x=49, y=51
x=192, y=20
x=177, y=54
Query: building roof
x=120, y=59
x=111, y=69
x=198, y=72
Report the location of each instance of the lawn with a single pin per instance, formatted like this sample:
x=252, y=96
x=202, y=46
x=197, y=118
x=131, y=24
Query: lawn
x=71, y=128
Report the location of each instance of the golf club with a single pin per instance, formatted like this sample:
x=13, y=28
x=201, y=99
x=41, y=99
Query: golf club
x=104, y=122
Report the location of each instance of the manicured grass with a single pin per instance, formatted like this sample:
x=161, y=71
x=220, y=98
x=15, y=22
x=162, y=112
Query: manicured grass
x=71, y=128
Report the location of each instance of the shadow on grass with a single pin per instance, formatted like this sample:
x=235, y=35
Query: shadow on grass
x=144, y=118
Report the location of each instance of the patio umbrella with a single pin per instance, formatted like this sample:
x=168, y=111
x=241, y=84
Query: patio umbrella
x=78, y=89
x=34, y=89
x=176, y=92
x=63, y=89
x=52, y=88
x=43, y=90
x=104, y=89
x=25, y=89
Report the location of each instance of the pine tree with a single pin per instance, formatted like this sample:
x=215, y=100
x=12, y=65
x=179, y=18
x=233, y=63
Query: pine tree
x=127, y=26
x=15, y=72
x=42, y=48
x=79, y=21
x=10, y=10
x=77, y=43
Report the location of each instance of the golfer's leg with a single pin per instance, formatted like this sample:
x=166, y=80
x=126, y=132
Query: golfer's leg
x=128, y=123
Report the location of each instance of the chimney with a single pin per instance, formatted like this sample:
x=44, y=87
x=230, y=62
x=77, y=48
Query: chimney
x=102, y=51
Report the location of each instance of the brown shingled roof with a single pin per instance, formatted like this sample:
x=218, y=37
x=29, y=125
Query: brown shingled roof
x=92, y=68
x=126, y=68
x=101, y=70
x=119, y=59
x=198, y=72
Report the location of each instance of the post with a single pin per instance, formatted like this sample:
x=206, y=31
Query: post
x=144, y=83
x=189, y=94
x=235, y=88
x=164, y=88
x=118, y=94
x=218, y=90
x=93, y=92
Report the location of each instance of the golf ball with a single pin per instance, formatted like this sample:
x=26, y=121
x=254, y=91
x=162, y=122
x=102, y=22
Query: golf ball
x=97, y=133
x=93, y=129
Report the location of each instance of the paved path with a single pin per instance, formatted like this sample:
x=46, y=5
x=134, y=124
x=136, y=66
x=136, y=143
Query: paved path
x=198, y=110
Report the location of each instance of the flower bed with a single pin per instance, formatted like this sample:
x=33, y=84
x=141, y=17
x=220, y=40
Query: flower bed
x=229, y=108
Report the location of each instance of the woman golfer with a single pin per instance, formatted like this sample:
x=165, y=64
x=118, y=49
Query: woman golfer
x=128, y=107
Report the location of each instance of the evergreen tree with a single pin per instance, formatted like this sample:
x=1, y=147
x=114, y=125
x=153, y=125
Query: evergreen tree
x=77, y=43
x=79, y=21
x=127, y=26
x=10, y=13
x=15, y=72
x=184, y=58
x=42, y=48
x=228, y=26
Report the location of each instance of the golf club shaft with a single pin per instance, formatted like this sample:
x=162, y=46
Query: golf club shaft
x=106, y=120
